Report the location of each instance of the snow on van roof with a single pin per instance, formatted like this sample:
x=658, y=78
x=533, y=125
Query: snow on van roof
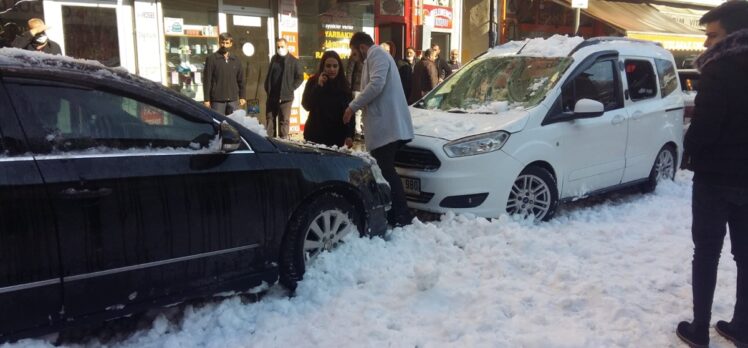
x=554, y=46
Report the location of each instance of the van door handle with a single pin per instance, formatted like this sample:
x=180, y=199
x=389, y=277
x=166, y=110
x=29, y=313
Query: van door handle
x=617, y=119
x=82, y=193
x=637, y=115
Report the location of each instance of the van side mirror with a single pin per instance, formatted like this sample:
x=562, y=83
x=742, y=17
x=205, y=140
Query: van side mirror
x=588, y=108
x=230, y=138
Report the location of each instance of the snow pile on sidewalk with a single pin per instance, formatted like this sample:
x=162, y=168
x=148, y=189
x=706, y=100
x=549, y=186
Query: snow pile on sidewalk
x=610, y=272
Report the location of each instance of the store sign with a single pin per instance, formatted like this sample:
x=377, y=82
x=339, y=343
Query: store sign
x=173, y=25
x=288, y=24
x=579, y=3
x=147, y=40
x=247, y=21
x=441, y=16
x=336, y=37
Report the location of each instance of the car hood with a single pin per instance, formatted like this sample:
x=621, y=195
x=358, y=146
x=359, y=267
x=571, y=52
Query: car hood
x=453, y=126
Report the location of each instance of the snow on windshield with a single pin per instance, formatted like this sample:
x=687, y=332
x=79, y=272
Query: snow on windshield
x=554, y=46
x=251, y=123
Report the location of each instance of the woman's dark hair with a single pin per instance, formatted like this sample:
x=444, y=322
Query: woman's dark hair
x=340, y=82
x=732, y=15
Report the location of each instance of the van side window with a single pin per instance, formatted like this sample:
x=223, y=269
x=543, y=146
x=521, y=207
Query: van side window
x=641, y=79
x=668, y=76
x=596, y=83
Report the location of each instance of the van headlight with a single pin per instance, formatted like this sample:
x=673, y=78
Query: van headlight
x=476, y=144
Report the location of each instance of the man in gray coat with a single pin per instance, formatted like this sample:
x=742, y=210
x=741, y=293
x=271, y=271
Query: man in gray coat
x=387, y=122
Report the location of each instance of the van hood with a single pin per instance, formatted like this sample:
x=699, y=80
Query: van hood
x=452, y=126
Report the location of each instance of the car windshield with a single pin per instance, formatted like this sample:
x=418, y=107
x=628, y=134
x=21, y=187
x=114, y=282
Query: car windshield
x=491, y=84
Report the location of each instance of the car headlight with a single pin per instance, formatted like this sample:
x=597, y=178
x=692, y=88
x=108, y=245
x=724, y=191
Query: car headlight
x=476, y=144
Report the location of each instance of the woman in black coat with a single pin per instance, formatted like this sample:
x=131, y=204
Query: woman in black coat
x=326, y=96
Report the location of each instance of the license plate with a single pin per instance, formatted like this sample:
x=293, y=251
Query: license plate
x=412, y=186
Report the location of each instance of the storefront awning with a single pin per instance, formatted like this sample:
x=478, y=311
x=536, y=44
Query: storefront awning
x=642, y=21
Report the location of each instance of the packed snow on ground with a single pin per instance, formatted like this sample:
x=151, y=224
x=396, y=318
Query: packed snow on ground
x=606, y=272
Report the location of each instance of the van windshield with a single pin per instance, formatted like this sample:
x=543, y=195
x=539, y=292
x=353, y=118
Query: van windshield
x=493, y=84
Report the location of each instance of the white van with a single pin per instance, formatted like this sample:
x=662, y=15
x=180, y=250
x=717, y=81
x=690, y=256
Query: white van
x=532, y=123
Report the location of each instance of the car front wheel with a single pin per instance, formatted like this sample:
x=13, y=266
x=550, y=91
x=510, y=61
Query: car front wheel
x=317, y=227
x=533, y=195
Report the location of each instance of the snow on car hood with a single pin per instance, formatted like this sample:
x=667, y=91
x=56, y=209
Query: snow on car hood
x=453, y=126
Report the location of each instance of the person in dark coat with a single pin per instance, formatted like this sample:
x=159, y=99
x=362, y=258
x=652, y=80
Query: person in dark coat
x=425, y=77
x=442, y=67
x=326, y=96
x=284, y=76
x=35, y=39
x=223, y=78
x=716, y=150
x=406, y=70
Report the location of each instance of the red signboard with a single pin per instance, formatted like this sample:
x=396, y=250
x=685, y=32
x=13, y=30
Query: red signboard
x=442, y=16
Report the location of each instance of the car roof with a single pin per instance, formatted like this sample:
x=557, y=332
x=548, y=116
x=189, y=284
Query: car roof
x=14, y=61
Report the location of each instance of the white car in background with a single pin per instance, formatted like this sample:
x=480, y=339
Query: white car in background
x=529, y=124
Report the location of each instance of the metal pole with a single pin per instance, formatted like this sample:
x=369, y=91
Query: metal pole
x=491, y=24
x=577, y=14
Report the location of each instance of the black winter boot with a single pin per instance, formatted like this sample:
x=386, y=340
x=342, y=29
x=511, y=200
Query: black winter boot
x=696, y=336
x=732, y=333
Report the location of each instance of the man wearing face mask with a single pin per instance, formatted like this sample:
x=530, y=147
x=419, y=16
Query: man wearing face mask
x=283, y=78
x=35, y=39
x=223, y=78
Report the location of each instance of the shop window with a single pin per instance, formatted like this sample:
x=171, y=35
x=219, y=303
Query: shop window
x=191, y=30
x=667, y=75
x=91, y=33
x=641, y=79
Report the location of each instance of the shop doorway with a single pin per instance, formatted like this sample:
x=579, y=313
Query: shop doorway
x=394, y=32
x=253, y=39
x=443, y=40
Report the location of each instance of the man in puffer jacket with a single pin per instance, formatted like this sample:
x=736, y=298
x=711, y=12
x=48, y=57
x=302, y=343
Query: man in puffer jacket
x=716, y=150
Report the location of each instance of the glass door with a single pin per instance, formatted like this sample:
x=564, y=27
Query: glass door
x=252, y=45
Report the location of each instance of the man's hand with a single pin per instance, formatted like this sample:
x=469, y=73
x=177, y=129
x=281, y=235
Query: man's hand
x=242, y=102
x=349, y=142
x=38, y=29
x=347, y=115
x=207, y=104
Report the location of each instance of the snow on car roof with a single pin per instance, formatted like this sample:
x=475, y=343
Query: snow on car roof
x=14, y=57
x=554, y=46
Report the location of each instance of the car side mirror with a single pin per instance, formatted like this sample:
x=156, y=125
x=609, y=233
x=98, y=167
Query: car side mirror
x=588, y=108
x=230, y=138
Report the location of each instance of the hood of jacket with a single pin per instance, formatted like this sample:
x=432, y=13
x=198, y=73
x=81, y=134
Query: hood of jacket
x=734, y=44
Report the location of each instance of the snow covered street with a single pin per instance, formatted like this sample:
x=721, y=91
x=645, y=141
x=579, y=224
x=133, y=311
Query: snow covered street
x=606, y=272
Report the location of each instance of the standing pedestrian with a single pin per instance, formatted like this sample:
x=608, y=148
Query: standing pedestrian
x=35, y=39
x=441, y=64
x=716, y=150
x=387, y=123
x=454, y=60
x=326, y=96
x=223, y=78
x=406, y=70
x=284, y=77
x=425, y=77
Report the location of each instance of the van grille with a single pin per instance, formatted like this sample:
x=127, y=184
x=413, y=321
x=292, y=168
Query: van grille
x=416, y=158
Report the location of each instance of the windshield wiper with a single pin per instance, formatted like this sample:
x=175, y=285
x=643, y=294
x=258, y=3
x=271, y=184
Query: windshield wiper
x=457, y=111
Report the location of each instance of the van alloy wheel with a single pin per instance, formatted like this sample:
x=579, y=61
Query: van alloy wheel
x=533, y=195
x=663, y=169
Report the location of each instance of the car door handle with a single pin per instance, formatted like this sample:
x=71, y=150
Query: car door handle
x=617, y=119
x=82, y=193
x=637, y=115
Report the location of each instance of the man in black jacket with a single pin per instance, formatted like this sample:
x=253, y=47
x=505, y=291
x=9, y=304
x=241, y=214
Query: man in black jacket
x=223, y=78
x=441, y=65
x=35, y=39
x=716, y=150
x=284, y=77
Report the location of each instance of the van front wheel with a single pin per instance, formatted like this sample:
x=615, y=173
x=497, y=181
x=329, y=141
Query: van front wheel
x=534, y=195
